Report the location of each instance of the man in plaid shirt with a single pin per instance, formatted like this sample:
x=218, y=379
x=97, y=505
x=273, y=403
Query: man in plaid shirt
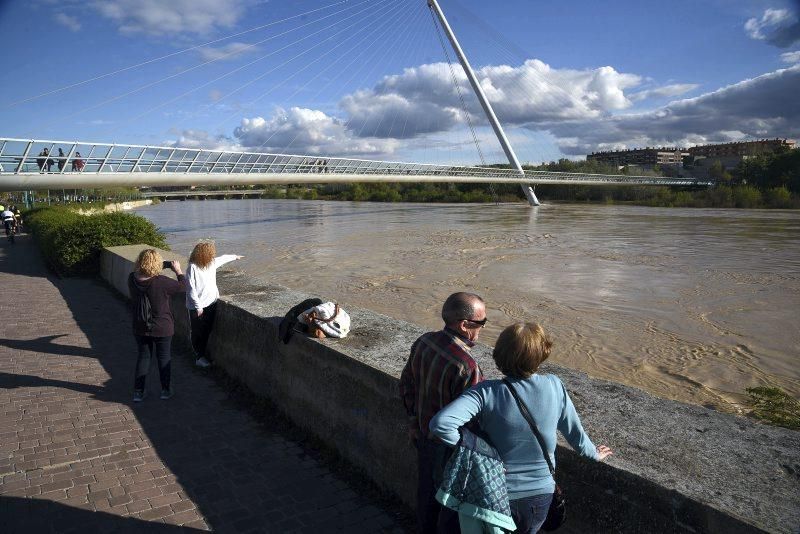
x=439, y=369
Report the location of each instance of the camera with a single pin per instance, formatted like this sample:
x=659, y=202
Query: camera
x=166, y=265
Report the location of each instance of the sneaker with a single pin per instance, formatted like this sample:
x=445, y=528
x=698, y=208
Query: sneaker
x=166, y=394
x=202, y=362
x=138, y=396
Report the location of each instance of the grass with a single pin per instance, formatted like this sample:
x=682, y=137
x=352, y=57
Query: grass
x=775, y=406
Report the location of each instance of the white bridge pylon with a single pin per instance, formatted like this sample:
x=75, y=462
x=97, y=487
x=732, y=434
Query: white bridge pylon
x=83, y=165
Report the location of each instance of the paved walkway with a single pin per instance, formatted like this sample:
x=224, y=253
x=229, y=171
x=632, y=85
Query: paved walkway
x=76, y=455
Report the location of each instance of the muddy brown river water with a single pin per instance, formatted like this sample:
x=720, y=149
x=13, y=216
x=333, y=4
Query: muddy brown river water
x=689, y=304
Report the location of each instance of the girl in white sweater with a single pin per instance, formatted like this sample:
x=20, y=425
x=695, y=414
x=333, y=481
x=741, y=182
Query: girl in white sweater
x=201, y=298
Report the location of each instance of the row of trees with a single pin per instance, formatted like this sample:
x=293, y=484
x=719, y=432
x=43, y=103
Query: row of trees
x=765, y=181
x=764, y=172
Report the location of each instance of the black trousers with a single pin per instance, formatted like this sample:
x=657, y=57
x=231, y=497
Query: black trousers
x=201, y=329
x=432, y=517
x=153, y=346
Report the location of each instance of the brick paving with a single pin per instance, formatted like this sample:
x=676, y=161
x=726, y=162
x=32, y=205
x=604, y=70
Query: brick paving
x=77, y=455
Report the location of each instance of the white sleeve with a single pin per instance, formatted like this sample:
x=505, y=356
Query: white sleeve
x=219, y=261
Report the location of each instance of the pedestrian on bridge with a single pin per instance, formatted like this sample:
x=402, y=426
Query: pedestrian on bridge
x=77, y=163
x=202, y=295
x=44, y=161
x=62, y=160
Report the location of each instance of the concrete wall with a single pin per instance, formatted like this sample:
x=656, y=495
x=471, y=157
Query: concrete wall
x=677, y=467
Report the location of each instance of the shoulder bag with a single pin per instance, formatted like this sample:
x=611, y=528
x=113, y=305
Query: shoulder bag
x=558, y=506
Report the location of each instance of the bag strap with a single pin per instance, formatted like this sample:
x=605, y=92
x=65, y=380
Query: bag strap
x=313, y=316
x=527, y=416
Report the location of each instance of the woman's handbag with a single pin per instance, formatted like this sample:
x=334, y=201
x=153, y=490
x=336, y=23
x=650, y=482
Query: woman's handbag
x=557, y=513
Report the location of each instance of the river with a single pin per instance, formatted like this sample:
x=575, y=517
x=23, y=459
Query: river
x=688, y=304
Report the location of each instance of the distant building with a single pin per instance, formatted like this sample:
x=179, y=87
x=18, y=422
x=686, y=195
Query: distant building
x=741, y=149
x=694, y=161
x=643, y=157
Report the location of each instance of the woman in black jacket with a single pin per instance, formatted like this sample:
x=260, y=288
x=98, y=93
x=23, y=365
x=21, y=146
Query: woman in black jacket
x=153, y=324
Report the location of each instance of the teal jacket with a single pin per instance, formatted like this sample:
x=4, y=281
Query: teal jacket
x=474, y=485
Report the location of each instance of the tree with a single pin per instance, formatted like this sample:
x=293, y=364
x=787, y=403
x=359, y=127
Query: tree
x=717, y=173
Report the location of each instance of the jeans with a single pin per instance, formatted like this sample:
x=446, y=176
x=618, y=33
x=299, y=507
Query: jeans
x=153, y=346
x=432, y=517
x=201, y=329
x=530, y=512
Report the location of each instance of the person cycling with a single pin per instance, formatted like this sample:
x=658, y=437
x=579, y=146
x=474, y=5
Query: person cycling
x=17, y=217
x=10, y=222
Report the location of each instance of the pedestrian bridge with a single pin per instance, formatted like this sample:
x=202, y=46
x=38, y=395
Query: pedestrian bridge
x=46, y=164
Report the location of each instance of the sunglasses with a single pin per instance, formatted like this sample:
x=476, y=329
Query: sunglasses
x=481, y=323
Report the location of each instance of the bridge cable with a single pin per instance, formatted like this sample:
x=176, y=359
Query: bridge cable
x=374, y=64
x=222, y=56
x=385, y=90
x=386, y=21
x=290, y=60
x=354, y=58
x=283, y=64
x=513, y=53
x=172, y=54
x=461, y=97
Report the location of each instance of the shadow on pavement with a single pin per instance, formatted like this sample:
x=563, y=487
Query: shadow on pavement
x=35, y=515
x=10, y=381
x=45, y=344
x=239, y=474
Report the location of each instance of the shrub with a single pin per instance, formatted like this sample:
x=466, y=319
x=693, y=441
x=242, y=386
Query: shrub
x=746, y=197
x=71, y=243
x=778, y=197
x=684, y=199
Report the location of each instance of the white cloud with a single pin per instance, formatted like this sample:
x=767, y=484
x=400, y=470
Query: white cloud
x=73, y=23
x=423, y=99
x=157, y=17
x=765, y=106
x=229, y=51
x=791, y=57
x=202, y=139
x=582, y=110
x=779, y=27
x=307, y=131
x=666, y=91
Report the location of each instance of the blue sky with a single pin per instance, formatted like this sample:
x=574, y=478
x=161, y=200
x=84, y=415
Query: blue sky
x=370, y=79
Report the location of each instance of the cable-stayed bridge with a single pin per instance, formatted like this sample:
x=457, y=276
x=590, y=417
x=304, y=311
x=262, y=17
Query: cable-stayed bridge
x=96, y=165
x=30, y=164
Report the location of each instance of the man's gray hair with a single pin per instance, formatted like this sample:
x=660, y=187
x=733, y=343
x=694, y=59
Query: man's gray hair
x=459, y=306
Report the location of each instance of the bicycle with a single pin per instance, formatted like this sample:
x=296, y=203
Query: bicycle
x=11, y=229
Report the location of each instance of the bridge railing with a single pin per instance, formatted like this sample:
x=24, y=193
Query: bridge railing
x=33, y=157
x=28, y=156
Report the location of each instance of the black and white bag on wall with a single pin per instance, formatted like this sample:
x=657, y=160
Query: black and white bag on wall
x=326, y=320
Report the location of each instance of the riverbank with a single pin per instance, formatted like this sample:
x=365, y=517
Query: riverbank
x=723, y=196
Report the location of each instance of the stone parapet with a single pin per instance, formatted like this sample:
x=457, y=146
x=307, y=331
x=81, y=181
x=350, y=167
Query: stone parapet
x=676, y=468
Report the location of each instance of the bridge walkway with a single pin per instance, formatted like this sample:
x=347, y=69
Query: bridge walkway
x=77, y=455
x=95, y=165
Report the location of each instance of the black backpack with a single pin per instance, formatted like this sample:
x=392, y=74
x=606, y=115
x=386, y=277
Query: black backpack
x=290, y=322
x=142, y=309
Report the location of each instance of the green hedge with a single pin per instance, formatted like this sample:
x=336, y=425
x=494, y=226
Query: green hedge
x=71, y=243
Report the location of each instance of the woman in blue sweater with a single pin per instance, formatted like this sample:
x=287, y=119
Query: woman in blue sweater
x=519, y=351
